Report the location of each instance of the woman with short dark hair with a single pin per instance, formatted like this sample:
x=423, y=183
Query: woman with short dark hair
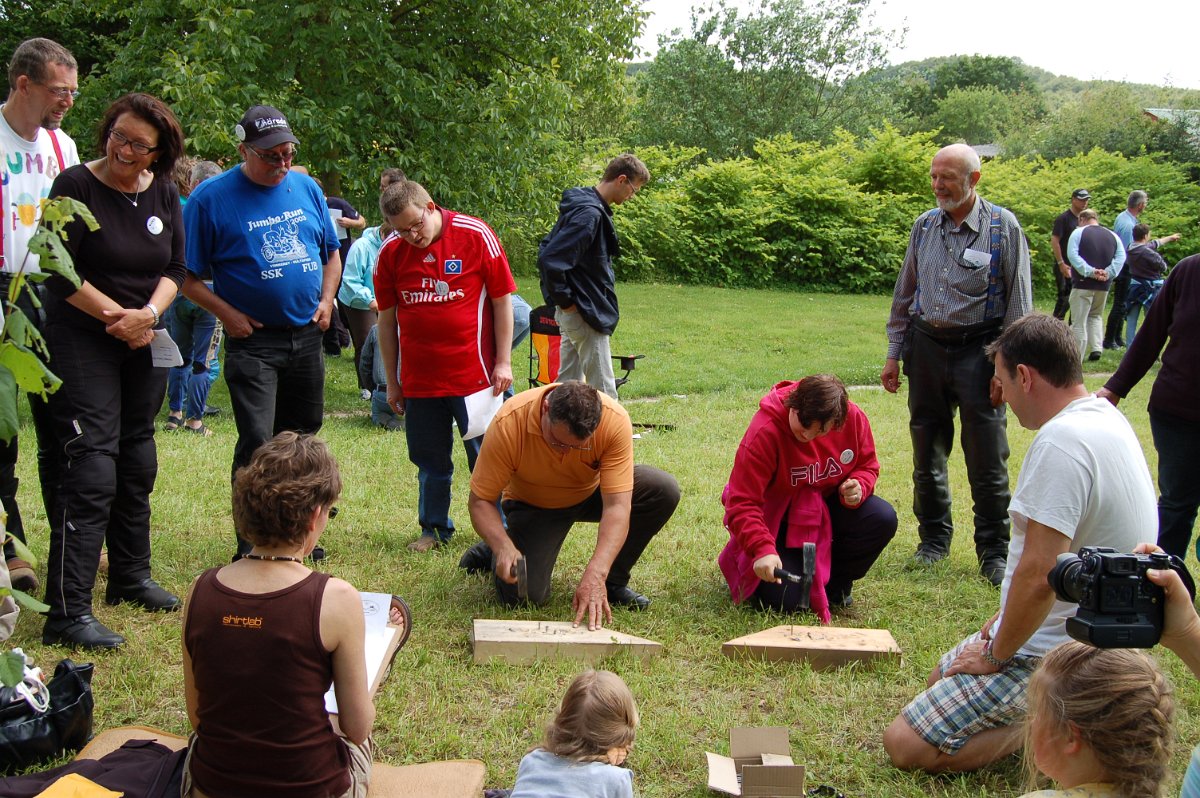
x=99, y=336
x=804, y=472
x=256, y=700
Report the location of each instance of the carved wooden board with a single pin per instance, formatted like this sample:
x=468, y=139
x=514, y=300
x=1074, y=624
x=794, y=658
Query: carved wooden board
x=821, y=646
x=525, y=642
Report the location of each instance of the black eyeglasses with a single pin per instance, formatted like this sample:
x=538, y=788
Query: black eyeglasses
x=274, y=158
x=139, y=147
x=333, y=511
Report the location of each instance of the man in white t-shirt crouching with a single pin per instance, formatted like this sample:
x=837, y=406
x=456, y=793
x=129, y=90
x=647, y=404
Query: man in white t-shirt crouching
x=1084, y=482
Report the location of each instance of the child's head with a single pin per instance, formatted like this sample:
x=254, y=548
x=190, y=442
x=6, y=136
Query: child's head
x=1108, y=709
x=598, y=714
x=287, y=479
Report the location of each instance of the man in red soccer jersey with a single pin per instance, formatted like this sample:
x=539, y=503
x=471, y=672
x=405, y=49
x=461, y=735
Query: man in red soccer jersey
x=443, y=287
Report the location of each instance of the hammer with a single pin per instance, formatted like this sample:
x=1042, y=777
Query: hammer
x=520, y=571
x=804, y=579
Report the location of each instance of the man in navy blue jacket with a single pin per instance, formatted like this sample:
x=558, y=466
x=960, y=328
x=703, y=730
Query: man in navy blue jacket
x=575, y=262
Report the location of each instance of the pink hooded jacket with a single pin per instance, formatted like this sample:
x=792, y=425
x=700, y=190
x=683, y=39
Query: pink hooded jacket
x=776, y=476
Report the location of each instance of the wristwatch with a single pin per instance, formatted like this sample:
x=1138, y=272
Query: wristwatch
x=990, y=658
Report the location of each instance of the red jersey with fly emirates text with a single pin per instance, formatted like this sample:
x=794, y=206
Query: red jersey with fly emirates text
x=443, y=298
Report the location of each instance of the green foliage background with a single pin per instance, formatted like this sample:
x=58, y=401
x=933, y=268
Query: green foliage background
x=784, y=152
x=837, y=217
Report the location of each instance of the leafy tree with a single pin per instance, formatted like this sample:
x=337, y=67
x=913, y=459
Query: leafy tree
x=985, y=114
x=80, y=27
x=1006, y=75
x=976, y=114
x=471, y=97
x=786, y=67
x=1108, y=116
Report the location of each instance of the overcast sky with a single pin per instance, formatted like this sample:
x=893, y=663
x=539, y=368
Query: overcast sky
x=1099, y=40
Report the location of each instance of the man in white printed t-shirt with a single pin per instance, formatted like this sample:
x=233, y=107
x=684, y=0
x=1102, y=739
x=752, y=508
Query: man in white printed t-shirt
x=43, y=84
x=1084, y=482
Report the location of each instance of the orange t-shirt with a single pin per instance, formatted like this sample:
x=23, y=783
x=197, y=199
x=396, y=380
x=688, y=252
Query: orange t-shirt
x=516, y=460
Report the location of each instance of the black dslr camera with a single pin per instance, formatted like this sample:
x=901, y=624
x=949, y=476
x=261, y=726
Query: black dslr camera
x=1118, y=606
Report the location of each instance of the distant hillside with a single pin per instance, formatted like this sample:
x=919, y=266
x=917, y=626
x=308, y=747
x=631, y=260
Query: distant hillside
x=1058, y=90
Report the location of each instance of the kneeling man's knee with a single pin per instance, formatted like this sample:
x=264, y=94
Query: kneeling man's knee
x=907, y=750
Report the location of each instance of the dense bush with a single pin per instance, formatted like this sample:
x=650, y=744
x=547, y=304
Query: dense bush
x=837, y=217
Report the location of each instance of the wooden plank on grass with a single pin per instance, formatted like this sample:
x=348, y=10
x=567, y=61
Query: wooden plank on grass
x=821, y=646
x=525, y=642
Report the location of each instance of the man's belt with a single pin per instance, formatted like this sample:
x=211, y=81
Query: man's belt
x=956, y=335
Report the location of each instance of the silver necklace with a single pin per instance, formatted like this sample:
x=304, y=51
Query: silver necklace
x=134, y=201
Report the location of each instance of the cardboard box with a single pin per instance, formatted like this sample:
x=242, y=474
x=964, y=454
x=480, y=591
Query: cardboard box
x=759, y=765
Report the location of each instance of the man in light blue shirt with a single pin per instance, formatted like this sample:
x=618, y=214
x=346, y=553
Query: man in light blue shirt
x=1123, y=227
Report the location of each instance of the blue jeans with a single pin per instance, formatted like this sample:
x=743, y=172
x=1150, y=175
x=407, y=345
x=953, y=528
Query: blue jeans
x=428, y=427
x=1177, y=441
x=1191, y=778
x=1141, y=295
x=191, y=327
x=276, y=379
x=521, y=312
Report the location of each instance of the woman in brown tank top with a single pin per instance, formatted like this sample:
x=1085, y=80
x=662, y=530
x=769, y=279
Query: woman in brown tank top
x=265, y=636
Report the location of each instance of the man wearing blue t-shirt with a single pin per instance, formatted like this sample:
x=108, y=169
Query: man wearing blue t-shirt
x=264, y=236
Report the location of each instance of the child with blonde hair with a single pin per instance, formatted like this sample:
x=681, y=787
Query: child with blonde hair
x=585, y=744
x=1099, y=723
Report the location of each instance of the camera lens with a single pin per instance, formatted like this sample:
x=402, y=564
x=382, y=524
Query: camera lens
x=1066, y=577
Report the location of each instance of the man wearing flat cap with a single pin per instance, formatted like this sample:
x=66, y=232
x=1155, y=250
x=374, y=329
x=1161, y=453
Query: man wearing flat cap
x=1065, y=224
x=263, y=235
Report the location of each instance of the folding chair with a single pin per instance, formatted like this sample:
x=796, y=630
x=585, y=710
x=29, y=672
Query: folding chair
x=544, y=342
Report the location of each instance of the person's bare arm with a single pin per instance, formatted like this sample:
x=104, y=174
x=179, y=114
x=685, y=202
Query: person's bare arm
x=331, y=276
x=191, y=696
x=1181, y=625
x=489, y=526
x=591, y=597
x=1060, y=259
x=343, y=631
x=502, y=322
x=1030, y=598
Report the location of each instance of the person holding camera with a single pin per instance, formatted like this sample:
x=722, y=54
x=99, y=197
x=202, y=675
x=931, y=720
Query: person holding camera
x=1084, y=482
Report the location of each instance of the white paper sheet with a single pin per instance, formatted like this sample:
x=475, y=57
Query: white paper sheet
x=376, y=608
x=163, y=351
x=335, y=214
x=481, y=408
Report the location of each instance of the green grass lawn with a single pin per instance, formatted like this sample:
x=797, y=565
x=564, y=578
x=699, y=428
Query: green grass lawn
x=710, y=355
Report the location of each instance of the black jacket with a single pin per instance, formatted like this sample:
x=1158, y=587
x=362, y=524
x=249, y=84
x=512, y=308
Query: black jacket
x=575, y=259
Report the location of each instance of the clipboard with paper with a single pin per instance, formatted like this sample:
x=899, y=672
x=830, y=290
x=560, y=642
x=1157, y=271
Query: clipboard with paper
x=383, y=640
